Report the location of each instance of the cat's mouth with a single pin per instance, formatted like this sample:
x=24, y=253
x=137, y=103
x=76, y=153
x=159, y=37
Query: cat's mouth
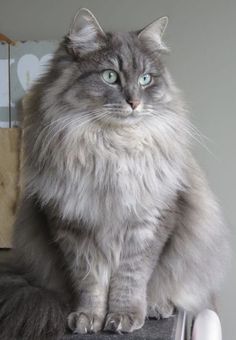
x=116, y=112
x=126, y=117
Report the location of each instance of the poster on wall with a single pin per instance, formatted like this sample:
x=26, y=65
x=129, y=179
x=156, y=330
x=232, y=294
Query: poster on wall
x=20, y=66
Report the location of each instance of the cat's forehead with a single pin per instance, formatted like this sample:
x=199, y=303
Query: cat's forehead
x=127, y=53
x=126, y=42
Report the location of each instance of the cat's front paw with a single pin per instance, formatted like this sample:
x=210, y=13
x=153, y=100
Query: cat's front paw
x=123, y=322
x=80, y=322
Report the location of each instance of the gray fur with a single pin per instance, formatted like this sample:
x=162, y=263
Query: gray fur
x=129, y=221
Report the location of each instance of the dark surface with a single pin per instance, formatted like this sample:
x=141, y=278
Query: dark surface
x=152, y=330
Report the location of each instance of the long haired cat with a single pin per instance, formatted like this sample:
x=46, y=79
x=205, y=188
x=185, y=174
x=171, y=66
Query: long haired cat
x=116, y=221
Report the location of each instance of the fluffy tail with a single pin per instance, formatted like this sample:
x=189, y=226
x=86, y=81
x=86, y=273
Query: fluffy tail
x=28, y=312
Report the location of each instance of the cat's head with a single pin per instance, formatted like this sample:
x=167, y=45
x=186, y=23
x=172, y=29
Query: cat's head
x=116, y=78
x=107, y=88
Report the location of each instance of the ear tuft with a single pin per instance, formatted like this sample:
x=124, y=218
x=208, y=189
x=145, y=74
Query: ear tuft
x=153, y=33
x=86, y=34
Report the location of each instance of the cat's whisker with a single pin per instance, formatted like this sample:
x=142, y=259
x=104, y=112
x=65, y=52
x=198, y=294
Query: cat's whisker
x=186, y=126
x=59, y=129
x=99, y=115
x=47, y=134
x=196, y=135
x=69, y=115
x=113, y=105
x=75, y=119
x=53, y=125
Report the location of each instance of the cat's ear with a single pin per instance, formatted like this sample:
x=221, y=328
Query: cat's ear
x=86, y=34
x=152, y=34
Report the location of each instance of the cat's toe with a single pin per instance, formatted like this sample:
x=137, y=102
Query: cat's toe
x=123, y=322
x=83, y=323
x=160, y=311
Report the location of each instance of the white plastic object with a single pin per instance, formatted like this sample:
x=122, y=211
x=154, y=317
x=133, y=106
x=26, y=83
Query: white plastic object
x=207, y=326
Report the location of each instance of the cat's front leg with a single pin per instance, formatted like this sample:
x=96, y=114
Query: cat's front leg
x=127, y=303
x=89, y=314
x=127, y=294
x=90, y=280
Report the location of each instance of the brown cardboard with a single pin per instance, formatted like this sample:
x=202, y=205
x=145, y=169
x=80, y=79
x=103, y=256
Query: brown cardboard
x=10, y=163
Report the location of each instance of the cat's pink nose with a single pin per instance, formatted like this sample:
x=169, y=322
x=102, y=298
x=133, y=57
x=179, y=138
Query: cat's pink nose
x=134, y=103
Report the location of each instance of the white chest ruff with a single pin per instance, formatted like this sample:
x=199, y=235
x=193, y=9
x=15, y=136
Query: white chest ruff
x=111, y=191
x=110, y=179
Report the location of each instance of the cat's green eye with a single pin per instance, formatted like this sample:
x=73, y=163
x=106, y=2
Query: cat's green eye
x=145, y=79
x=110, y=76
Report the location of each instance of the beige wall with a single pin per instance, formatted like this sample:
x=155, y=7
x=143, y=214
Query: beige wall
x=201, y=35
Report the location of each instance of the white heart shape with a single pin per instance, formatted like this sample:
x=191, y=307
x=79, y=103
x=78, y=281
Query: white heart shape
x=29, y=68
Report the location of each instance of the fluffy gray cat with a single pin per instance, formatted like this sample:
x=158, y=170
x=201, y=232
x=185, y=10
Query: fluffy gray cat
x=117, y=222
